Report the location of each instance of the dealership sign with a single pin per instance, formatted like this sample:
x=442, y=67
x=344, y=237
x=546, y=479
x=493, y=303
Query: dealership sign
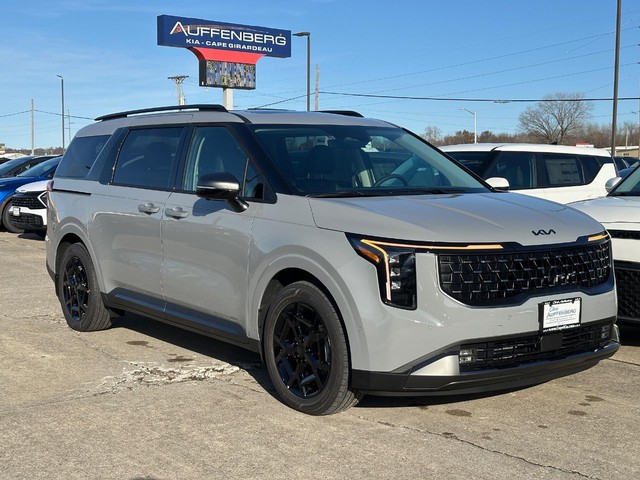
x=198, y=34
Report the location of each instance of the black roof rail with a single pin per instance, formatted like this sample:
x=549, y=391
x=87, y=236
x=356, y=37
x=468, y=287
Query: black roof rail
x=269, y=109
x=202, y=107
x=348, y=113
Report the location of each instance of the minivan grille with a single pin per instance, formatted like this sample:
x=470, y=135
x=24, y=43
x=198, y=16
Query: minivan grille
x=516, y=351
x=28, y=201
x=628, y=287
x=482, y=279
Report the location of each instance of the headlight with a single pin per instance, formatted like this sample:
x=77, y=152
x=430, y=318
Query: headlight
x=396, y=267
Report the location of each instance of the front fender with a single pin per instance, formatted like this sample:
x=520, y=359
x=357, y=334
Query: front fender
x=326, y=255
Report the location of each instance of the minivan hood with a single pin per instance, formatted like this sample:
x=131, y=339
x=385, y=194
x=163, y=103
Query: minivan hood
x=465, y=218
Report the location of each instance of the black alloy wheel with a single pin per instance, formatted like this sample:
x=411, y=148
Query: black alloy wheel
x=75, y=289
x=306, y=351
x=302, y=350
x=78, y=291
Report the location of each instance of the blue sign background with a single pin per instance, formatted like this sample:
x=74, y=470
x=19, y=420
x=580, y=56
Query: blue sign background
x=194, y=32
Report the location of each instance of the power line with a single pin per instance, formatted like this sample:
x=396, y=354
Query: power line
x=506, y=70
x=472, y=62
x=487, y=100
x=14, y=114
x=59, y=115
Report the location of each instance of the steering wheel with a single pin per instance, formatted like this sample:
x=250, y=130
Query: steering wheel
x=391, y=176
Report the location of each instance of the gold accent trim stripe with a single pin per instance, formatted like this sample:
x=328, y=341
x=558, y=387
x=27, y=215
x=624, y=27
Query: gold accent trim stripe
x=601, y=236
x=374, y=244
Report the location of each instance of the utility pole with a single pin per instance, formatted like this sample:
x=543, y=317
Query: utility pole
x=33, y=135
x=69, y=124
x=475, y=124
x=62, y=109
x=615, y=82
x=317, y=86
x=178, y=79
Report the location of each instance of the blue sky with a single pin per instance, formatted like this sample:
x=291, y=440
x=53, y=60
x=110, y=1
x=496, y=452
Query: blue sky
x=493, y=49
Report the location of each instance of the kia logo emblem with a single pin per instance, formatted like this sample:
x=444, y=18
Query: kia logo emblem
x=543, y=232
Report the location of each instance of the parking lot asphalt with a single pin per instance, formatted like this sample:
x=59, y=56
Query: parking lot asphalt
x=146, y=400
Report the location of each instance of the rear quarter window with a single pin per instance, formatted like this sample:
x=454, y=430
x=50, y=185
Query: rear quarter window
x=591, y=165
x=562, y=170
x=79, y=157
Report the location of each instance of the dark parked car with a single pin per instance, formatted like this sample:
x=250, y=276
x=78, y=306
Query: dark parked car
x=18, y=165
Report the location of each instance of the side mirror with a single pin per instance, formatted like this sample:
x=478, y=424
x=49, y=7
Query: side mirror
x=499, y=183
x=221, y=186
x=611, y=183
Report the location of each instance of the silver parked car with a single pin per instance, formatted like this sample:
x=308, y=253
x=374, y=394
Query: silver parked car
x=354, y=257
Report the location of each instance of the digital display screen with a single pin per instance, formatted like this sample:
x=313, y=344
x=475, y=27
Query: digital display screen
x=227, y=74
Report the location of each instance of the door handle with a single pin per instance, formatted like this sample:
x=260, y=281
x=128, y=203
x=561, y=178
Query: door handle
x=148, y=208
x=177, y=212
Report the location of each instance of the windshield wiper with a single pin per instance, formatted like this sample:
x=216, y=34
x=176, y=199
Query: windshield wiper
x=624, y=194
x=340, y=194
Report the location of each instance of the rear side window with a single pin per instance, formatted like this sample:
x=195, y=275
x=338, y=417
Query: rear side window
x=81, y=154
x=519, y=168
x=562, y=170
x=146, y=157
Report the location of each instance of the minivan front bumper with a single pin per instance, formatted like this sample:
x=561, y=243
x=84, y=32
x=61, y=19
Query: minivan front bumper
x=438, y=375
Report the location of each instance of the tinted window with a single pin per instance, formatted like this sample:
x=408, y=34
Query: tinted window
x=477, y=162
x=519, y=168
x=351, y=160
x=80, y=156
x=146, y=157
x=215, y=150
x=562, y=169
x=591, y=165
x=7, y=167
x=45, y=168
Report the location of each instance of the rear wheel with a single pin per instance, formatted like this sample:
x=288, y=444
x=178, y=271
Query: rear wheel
x=78, y=291
x=306, y=352
x=6, y=219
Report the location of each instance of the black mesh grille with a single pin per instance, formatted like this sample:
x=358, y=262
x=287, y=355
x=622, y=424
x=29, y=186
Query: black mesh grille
x=28, y=201
x=512, y=352
x=499, y=278
x=628, y=286
x=26, y=221
x=627, y=234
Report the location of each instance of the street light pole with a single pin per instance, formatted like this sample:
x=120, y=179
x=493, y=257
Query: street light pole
x=62, y=110
x=308, y=35
x=475, y=125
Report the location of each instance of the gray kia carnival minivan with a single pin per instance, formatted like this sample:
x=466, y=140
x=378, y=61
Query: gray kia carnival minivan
x=352, y=255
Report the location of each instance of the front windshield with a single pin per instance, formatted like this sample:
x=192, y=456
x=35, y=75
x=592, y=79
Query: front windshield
x=41, y=168
x=629, y=186
x=345, y=160
x=11, y=164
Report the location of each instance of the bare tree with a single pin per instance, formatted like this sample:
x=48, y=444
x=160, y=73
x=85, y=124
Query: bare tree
x=432, y=135
x=555, y=118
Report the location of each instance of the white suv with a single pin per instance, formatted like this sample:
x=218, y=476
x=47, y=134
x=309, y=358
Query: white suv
x=556, y=172
x=619, y=212
x=28, y=209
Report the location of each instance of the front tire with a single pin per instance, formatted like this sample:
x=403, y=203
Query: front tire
x=306, y=353
x=6, y=219
x=78, y=291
